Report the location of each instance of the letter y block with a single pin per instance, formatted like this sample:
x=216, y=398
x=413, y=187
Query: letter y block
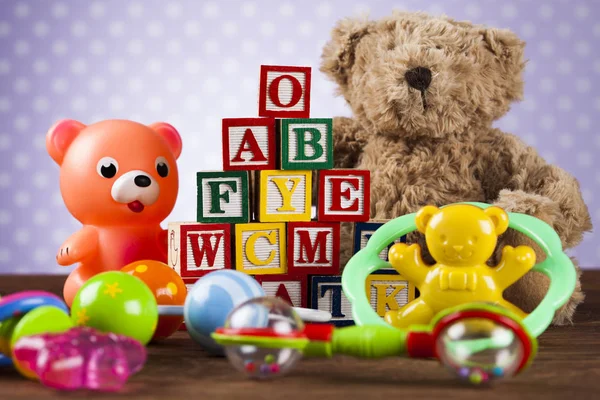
x=285, y=196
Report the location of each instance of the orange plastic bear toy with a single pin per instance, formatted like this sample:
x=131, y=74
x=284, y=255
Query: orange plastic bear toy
x=119, y=179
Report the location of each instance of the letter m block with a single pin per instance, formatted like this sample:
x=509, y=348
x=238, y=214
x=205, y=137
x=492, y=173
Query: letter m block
x=313, y=248
x=344, y=195
x=284, y=92
x=249, y=144
x=223, y=197
x=306, y=143
x=197, y=249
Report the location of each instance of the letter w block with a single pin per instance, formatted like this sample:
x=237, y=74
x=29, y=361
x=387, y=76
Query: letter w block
x=306, y=143
x=223, y=197
x=313, y=248
x=197, y=249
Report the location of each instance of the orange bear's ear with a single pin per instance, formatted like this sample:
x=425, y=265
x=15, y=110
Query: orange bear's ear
x=170, y=134
x=499, y=217
x=60, y=137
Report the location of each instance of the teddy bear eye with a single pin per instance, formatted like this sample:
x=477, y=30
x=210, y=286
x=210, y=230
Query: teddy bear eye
x=107, y=167
x=162, y=167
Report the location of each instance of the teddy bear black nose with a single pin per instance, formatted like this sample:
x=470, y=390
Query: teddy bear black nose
x=142, y=181
x=418, y=78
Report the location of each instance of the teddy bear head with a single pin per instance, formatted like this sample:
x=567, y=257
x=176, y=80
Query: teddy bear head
x=461, y=234
x=415, y=75
x=116, y=172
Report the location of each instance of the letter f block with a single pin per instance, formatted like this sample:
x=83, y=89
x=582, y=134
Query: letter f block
x=223, y=197
x=306, y=143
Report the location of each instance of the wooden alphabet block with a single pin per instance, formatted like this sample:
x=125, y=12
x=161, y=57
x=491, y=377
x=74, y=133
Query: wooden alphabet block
x=313, y=248
x=197, y=249
x=344, y=195
x=248, y=144
x=363, y=232
x=260, y=248
x=387, y=290
x=327, y=295
x=223, y=197
x=292, y=288
x=285, y=196
x=284, y=91
x=306, y=143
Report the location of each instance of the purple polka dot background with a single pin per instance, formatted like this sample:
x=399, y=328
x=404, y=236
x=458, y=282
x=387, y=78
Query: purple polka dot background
x=192, y=63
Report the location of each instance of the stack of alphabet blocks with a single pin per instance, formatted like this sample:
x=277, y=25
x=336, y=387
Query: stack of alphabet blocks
x=256, y=216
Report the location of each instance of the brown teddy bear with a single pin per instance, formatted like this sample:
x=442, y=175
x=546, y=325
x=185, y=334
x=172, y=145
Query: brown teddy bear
x=424, y=92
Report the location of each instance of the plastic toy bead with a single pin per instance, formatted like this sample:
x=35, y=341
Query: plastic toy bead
x=269, y=359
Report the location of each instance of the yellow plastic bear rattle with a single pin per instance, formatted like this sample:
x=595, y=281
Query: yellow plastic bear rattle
x=461, y=238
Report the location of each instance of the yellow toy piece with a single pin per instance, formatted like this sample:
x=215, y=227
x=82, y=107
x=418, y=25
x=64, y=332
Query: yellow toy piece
x=461, y=238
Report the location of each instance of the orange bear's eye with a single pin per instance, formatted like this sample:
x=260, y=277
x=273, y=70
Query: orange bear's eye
x=162, y=167
x=107, y=167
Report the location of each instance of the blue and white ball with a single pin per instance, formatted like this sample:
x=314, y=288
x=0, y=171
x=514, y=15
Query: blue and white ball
x=210, y=301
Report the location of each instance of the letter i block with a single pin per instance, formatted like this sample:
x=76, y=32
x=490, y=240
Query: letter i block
x=284, y=92
x=197, y=249
x=313, y=248
x=289, y=287
x=306, y=143
x=388, y=291
x=285, y=196
x=344, y=195
x=249, y=144
x=260, y=248
x=223, y=197
x=363, y=232
x=327, y=295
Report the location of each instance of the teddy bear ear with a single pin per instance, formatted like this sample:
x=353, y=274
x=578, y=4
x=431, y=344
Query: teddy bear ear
x=60, y=137
x=338, y=54
x=170, y=134
x=424, y=216
x=505, y=45
x=499, y=217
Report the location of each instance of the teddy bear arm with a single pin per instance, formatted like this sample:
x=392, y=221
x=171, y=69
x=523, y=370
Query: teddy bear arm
x=349, y=139
x=82, y=245
x=408, y=262
x=514, y=264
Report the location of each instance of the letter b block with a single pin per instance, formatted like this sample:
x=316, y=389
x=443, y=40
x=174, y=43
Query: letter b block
x=284, y=92
x=285, y=196
x=223, y=197
x=248, y=144
x=307, y=143
x=313, y=248
x=344, y=195
x=260, y=248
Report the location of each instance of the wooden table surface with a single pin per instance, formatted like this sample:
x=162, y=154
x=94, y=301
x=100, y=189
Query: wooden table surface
x=567, y=366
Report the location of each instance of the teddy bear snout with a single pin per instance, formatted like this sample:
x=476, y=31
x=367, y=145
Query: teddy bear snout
x=418, y=78
x=135, y=186
x=142, y=181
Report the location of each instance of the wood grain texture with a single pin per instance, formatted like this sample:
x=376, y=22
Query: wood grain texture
x=567, y=366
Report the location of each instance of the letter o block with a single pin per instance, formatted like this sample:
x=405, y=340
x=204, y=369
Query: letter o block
x=260, y=248
x=284, y=92
x=344, y=195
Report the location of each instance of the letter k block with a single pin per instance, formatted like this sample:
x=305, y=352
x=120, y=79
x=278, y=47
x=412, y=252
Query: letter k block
x=223, y=197
x=306, y=143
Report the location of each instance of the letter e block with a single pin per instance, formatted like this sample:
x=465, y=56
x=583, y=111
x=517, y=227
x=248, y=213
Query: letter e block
x=306, y=143
x=284, y=92
x=344, y=195
x=327, y=295
x=223, y=197
x=313, y=248
x=249, y=144
x=260, y=248
x=285, y=196
x=288, y=287
x=388, y=291
x=197, y=249
x=363, y=232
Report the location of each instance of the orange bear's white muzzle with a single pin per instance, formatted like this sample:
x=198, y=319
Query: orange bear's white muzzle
x=137, y=189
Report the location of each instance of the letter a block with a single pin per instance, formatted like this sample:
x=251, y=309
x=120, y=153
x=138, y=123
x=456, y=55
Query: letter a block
x=313, y=248
x=288, y=287
x=284, y=92
x=260, y=248
x=363, y=232
x=388, y=291
x=197, y=249
x=327, y=295
x=285, y=196
x=249, y=144
x=306, y=143
x=223, y=197
x=344, y=195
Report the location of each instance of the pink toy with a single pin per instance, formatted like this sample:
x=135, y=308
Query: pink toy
x=119, y=179
x=81, y=358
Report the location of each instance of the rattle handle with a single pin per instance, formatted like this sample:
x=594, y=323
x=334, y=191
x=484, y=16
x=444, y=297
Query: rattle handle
x=369, y=341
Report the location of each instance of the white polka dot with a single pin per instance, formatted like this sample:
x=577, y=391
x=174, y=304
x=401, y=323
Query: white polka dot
x=97, y=47
x=22, y=85
x=563, y=29
x=547, y=122
x=564, y=103
x=60, y=85
x=582, y=11
x=79, y=103
x=230, y=28
x=4, y=28
x=97, y=85
x=116, y=66
x=509, y=11
x=547, y=85
x=472, y=10
x=192, y=28
x=529, y=104
x=5, y=179
x=211, y=85
x=135, y=9
x=6, y=105
x=59, y=47
x=21, y=10
x=41, y=255
x=192, y=66
x=546, y=48
x=582, y=48
x=565, y=141
x=78, y=29
x=267, y=28
x=22, y=123
x=4, y=67
x=60, y=10
x=249, y=46
x=531, y=67
x=210, y=10
x=4, y=255
x=583, y=122
x=286, y=47
x=549, y=156
x=174, y=85
x=231, y=104
x=4, y=141
x=583, y=85
x=588, y=195
x=154, y=103
x=155, y=29
x=116, y=28
x=510, y=122
x=22, y=47
x=192, y=102
x=40, y=66
x=21, y=160
x=597, y=66
x=546, y=11
x=585, y=159
x=116, y=103
x=40, y=180
x=41, y=217
x=596, y=29
x=41, y=29
x=286, y=9
x=249, y=84
x=174, y=47
x=155, y=66
x=5, y=217
x=22, y=199
x=248, y=9
x=135, y=47
x=78, y=66
x=564, y=66
x=136, y=84
x=174, y=10
x=305, y=28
